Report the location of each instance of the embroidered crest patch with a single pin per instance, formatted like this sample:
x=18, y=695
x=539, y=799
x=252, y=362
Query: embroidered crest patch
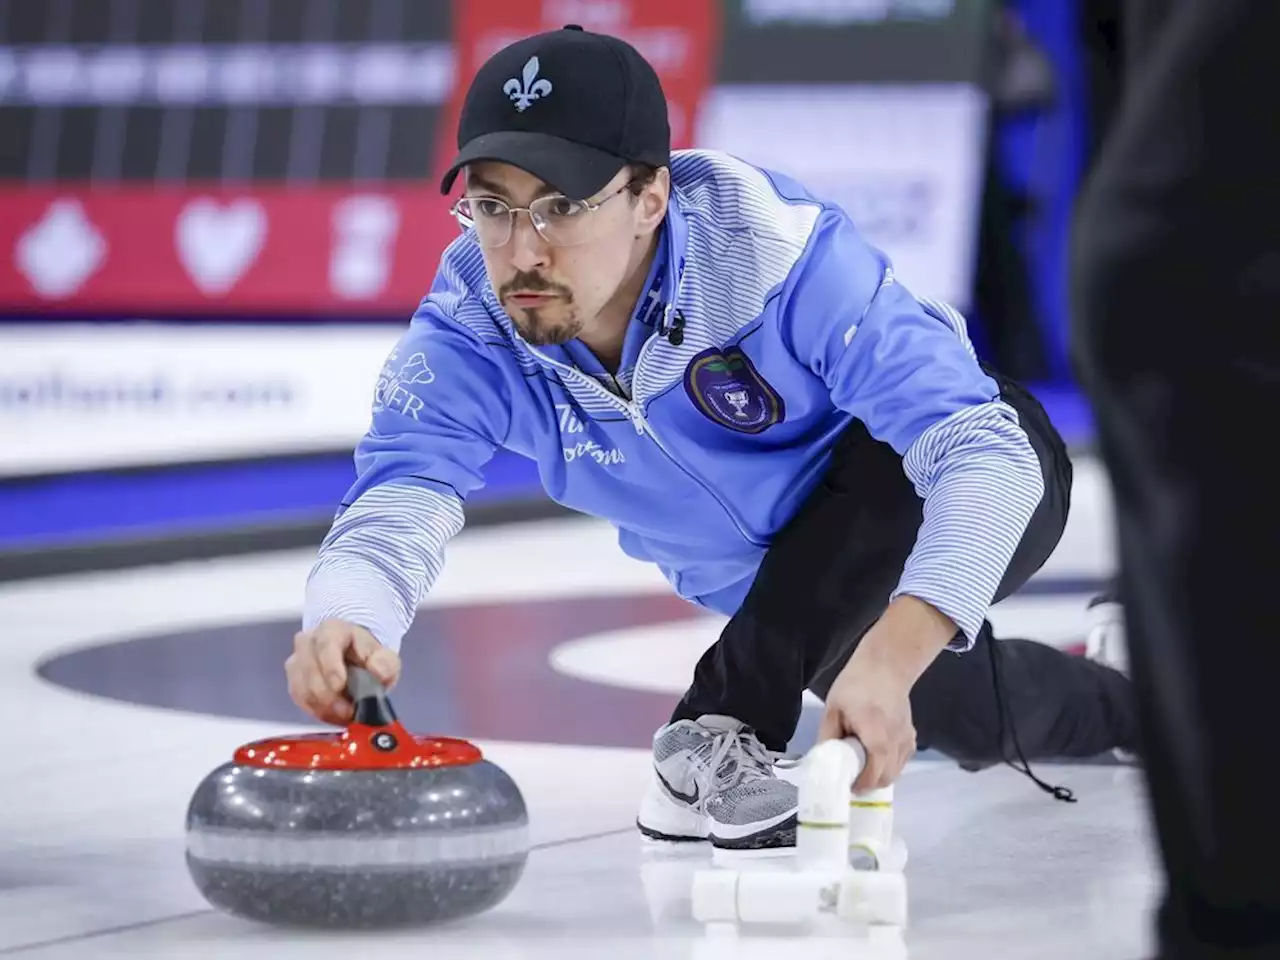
x=725, y=386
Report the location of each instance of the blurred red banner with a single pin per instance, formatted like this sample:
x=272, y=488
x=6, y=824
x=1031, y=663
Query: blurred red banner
x=217, y=248
x=336, y=247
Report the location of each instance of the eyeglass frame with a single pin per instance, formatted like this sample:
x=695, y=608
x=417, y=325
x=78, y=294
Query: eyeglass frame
x=592, y=207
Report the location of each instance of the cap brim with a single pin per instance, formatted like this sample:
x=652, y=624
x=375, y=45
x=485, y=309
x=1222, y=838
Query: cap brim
x=574, y=170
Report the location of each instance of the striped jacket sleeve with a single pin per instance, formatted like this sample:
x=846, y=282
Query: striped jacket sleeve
x=380, y=558
x=906, y=369
x=439, y=413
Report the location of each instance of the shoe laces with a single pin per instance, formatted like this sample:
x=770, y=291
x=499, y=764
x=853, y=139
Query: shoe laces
x=732, y=758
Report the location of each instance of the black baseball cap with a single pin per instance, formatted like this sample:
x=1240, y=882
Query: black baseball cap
x=570, y=107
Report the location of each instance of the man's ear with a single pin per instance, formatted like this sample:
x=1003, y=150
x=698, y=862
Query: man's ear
x=652, y=202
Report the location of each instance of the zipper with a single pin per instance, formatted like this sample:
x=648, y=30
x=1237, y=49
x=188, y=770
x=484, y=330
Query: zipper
x=635, y=413
x=646, y=427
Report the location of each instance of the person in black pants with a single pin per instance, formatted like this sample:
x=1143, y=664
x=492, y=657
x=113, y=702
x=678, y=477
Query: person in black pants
x=1177, y=340
x=828, y=577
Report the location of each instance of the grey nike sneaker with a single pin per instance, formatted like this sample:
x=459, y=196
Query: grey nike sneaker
x=714, y=780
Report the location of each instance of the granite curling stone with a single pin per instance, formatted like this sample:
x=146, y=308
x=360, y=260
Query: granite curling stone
x=365, y=828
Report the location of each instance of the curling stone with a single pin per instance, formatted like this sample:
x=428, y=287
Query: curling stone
x=368, y=827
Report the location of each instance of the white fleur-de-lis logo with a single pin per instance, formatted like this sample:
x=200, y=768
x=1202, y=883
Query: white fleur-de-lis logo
x=531, y=89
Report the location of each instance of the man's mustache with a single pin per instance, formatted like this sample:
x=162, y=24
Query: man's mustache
x=531, y=283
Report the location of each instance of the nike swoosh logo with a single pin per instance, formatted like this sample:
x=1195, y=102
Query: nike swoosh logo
x=689, y=798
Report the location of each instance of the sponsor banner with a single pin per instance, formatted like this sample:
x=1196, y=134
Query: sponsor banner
x=225, y=249
x=905, y=163
x=83, y=397
x=153, y=22
x=231, y=75
x=281, y=157
x=856, y=41
x=257, y=178
x=297, y=90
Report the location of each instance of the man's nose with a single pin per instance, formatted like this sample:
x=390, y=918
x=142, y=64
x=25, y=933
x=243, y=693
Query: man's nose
x=528, y=249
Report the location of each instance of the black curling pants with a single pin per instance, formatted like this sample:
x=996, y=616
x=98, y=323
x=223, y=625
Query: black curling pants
x=1177, y=339
x=828, y=577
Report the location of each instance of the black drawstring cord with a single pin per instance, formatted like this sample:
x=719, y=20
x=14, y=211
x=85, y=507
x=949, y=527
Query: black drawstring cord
x=1058, y=793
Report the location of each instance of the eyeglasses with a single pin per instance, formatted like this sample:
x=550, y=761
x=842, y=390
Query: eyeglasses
x=560, y=221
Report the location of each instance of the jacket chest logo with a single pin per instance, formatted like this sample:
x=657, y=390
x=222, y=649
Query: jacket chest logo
x=727, y=389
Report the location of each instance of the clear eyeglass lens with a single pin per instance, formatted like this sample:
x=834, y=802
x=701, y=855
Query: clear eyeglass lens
x=560, y=221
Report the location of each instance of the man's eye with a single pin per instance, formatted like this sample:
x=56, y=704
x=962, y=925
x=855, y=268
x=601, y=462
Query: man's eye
x=489, y=208
x=563, y=207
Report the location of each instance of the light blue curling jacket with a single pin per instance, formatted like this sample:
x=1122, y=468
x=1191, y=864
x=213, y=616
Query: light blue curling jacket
x=698, y=452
